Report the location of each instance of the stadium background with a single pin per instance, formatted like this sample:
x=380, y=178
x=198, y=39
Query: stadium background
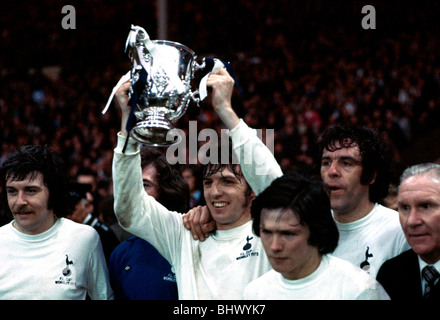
x=303, y=66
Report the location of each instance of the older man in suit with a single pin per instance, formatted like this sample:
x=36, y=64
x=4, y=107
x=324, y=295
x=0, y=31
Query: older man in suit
x=414, y=274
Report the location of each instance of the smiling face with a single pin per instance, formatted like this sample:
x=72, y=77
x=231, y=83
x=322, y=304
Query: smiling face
x=28, y=201
x=286, y=243
x=341, y=171
x=419, y=211
x=228, y=199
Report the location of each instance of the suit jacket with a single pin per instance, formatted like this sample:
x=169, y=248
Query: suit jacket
x=400, y=277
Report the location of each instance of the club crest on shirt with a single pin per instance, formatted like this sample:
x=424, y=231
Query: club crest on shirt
x=365, y=265
x=247, y=250
x=68, y=273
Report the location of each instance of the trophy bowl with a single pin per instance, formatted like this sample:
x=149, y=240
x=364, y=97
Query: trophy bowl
x=160, y=86
x=161, y=75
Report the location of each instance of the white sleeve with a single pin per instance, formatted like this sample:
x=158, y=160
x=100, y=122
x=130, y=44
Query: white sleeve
x=139, y=213
x=98, y=282
x=374, y=291
x=257, y=162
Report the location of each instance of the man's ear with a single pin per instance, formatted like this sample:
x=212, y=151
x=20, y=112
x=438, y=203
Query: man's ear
x=252, y=195
x=373, y=178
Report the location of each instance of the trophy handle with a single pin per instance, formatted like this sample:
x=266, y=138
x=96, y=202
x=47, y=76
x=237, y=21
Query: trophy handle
x=195, y=97
x=139, y=35
x=198, y=66
x=203, y=90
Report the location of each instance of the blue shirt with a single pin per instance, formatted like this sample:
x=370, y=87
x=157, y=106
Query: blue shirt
x=139, y=272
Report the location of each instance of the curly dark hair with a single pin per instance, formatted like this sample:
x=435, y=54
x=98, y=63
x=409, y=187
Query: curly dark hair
x=32, y=160
x=306, y=197
x=171, y=186
x=375, y=155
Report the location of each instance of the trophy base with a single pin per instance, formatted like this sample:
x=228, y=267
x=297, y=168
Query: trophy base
x=144, y=133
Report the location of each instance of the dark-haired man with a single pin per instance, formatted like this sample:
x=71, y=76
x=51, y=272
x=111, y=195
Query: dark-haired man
x=355, y=168
x=293, y=218
x=44, y=255
x=218, y=268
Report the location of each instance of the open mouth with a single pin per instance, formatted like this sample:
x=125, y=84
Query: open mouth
x=219, y=204
x=334, y=188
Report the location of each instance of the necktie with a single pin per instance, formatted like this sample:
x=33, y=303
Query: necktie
x=430, y=274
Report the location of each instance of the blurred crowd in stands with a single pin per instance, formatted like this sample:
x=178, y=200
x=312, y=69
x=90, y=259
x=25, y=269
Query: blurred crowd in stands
x=302, y=65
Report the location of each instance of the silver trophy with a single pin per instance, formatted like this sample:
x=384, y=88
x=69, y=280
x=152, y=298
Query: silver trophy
x=160, y=86
x=167, y=69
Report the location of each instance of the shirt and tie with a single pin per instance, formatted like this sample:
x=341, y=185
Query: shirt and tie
x=429, y=275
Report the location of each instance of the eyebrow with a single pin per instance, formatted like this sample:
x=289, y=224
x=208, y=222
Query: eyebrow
x=426, y=199
x=31, y=182
x=342, y=158
x=290, y=227
x=24, y=187
x=223, y=177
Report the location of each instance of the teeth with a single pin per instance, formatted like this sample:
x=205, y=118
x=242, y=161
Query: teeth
x=219, y=204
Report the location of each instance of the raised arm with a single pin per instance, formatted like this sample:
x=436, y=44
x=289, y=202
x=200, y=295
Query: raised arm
x=122, y=101
x=222, y=85
x=135, y=210
x=257, y=162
